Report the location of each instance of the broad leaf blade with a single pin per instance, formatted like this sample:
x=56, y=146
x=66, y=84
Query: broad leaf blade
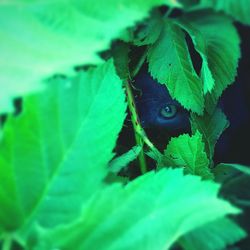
x=55, y=154
x=216, y=235
x=42, y=38
x=170, y=64
x=150, y=213
x=188, y=152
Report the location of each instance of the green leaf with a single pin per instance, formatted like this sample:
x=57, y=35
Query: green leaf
x=188, y=152
x=122, y=161
x=215, y=235
x=235, y=180
x=211, y=126
x=149, y=31
x=42, y=38
x=239, y=9
x=237, y=167
x=170, y=63
x=55, y=154
x=121, y=60
x=150, y=213
x=217, y=41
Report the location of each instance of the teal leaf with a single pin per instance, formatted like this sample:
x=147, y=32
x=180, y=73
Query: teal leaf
x=216, y=40
x=55, y=154
x=211, y=126
x=239, y=10
x=150, y=213
x=188, y=152
x=43, y=38
x=216, y=235
x=170, y=63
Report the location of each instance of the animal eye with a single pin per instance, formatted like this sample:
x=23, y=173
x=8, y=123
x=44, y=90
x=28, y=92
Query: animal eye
x=168, y=111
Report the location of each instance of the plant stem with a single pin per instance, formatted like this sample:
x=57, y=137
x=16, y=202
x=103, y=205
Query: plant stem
x=137, y=128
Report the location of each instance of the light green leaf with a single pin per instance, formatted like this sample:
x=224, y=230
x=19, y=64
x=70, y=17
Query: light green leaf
x=239, y=10
x=217, y=41
x=55, y=154
x=188, y=152
x=42, y=38
x=170, y=63
x=211, y=126
x=150, y=213
x=122, y=161
x=215, y=235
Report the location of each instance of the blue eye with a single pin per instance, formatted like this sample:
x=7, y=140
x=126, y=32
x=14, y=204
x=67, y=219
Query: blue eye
x=168, y=111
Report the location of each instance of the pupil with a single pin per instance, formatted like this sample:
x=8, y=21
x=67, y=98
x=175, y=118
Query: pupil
x=168, y=109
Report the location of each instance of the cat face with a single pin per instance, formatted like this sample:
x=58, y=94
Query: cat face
x=157, y=109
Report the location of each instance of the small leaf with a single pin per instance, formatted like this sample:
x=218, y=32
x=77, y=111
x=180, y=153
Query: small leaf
x=188, y=152
x=122, y=161
x=170, y=63
x=211, y=126
x=216, y=235
x=150, y=213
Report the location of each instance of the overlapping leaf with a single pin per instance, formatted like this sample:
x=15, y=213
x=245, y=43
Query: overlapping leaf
x=217, y=41
x=216, y=235
x=150, y=213
x=55, y=154
x=42, y=38
x=188, y=152
x=239, y=9
x=170, y=64
x=211, y=126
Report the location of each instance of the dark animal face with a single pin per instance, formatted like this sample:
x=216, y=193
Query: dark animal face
x=157, y=109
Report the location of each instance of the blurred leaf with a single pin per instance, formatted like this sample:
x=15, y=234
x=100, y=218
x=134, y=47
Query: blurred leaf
x=122, y=161
x=170, y=63
x=188, y=152
x=235, y=182
x=121, y=60
x=215, y=235
x=211, y=126
x=42, y=38
x=55, y=154
x=239, y=10
x=150, y=213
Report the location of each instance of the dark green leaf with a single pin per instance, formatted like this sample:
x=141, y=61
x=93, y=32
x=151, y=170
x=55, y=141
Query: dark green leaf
x=170, y=64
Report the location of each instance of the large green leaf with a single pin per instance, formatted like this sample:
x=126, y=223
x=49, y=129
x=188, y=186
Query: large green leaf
x=217, y=41
x=150, y=213
x=42, y=38
x=55, y=154
x=211, y=126
x=188, y=152
x=215, y=235
x=239, y=9
x=170, y=64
